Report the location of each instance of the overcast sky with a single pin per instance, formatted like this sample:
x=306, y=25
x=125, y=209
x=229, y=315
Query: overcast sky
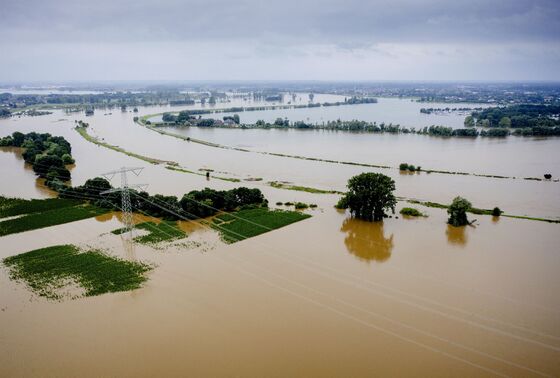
x=57, y=40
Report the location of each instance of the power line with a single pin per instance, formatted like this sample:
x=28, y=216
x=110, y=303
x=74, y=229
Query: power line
x=124, y=189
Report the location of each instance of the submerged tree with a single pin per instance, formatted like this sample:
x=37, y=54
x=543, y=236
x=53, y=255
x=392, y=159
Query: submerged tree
x=369, y=196
x=458, y=212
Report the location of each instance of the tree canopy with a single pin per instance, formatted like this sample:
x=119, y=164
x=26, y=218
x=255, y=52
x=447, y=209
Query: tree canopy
x=369, y=196
x=458, y=212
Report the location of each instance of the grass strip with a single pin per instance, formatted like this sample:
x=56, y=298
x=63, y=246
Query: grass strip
x=48, y=270
x=245, y=224
x=281, y=185
x=478, y=211
x=10, y=207
x=49, y=218
x=82, y=130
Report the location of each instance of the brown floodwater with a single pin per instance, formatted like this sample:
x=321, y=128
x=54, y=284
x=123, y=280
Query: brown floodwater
x=327, y=296
x=519, y=197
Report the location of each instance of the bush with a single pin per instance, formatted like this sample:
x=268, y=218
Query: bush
x=411, y=212
x=409, y=167
x=279, y=203
x=548, y=176
x=496, y=212
x=301, y=205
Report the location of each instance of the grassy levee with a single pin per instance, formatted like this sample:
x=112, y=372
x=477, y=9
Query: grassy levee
x=10, y=207
x=49, y=218
x=245, y=224
x=282, y=185
x=154, y=127
x=48, y=270
x=83, y=132
x=475, y=210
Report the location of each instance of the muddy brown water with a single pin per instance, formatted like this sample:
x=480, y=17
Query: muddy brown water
x=327, y=296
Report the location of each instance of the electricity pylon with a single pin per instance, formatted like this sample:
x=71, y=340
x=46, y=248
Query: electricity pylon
x=125, y=193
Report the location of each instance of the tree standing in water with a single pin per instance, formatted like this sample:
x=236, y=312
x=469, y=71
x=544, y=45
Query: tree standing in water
x=369, y=196
x=458, y=212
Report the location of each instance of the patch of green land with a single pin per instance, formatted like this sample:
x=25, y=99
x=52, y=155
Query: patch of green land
x=10, y=207
x=281, y=185
x=158, y=232
x=48, y=270
x=49, y=218
x=245, y=224
x=412, y=212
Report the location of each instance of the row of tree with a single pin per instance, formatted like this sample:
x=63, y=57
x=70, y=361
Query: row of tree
x=516, y=116
x=195, y=204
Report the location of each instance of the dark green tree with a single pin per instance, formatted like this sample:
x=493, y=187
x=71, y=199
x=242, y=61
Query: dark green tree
x=458, y=212
x=369, y=196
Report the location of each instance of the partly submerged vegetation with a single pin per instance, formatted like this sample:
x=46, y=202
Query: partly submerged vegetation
x=48, y=154
x=157, y=232
x=49, y=218
x=525, y=119
x=10, y=207
x=245, y=224
x=411, y=212
x=50, y=272
x=458, y=212
x=369, y=196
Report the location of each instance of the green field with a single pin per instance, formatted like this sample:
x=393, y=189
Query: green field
x=158, y=232
x=49, y=218
x=48, y=271
x=244, y=224
x=10, y=207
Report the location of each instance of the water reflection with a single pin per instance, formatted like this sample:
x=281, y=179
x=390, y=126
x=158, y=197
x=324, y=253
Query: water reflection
x=366, y=240
x=456, y=235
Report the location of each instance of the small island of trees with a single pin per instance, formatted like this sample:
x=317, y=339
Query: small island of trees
x=369, y=196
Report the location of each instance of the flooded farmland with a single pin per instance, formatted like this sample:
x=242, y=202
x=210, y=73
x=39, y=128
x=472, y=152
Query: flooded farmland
x=327, y=296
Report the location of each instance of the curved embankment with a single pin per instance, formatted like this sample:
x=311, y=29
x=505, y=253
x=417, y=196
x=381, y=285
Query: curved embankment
x=142, y=122
x=174, y=166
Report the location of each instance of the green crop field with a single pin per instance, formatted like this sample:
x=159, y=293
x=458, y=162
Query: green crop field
x=49, y=270
x=244, y=224
x=10, y=207
x=49, y=218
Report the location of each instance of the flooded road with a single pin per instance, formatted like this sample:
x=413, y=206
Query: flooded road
x=327, y=296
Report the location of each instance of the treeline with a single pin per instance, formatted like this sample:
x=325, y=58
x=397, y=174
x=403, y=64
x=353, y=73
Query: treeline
x=195, y=204
x=48, y=154
x=189, y=117
x=447, y=110
x=519, y=116
x=108, y=99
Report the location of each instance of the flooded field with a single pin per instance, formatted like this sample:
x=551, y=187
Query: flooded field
x=322, y=297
